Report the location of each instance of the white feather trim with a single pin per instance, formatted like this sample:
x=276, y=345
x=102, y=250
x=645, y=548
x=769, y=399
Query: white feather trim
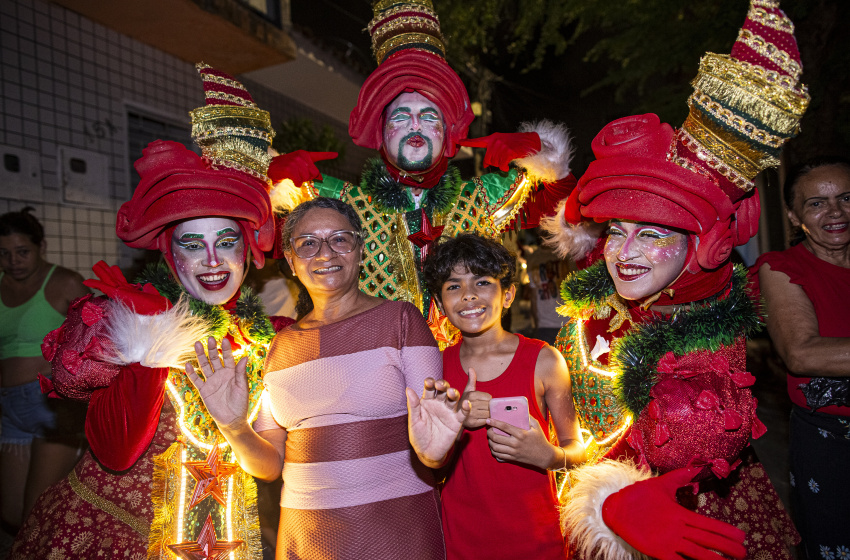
x=552, y=162
x=286, y=196
x=581, y=516
x=163, y=340
x=569, y=240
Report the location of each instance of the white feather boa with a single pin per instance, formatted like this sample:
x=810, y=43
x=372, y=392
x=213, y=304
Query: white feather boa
x=569, y=240
x=163, y=340
x=581, y=516
x=552, y=162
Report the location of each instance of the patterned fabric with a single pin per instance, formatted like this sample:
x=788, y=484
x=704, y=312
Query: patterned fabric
x=353, y=487
x=96, y=513
x=820, y=448
x=748, y=500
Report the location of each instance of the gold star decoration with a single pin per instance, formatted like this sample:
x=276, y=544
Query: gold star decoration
x=206, y=546
x=210, y=476
x=426, y=236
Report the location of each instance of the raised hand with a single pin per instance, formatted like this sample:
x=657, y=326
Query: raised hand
x=504, y=147
x=664, y=529
x=298, y=166
x=479, y=403
x=224, y=387
x=521, y=446
x=434, y=421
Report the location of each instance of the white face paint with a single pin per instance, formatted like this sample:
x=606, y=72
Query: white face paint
x=643, y=259
x=209, y=258
x=414, y=132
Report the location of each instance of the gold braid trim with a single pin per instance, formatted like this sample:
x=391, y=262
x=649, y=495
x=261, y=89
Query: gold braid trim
x=405, y=39
x=204, y=118
x=135, y=523
x=412, y=22
x=622, y=313
x=776, y=107
x=234, y=131
x=766, y=3
x=382, y=7
x=771, y=52
x=710, y=159
x=779, y=21
x=736, y=153
x=163, y=491
x=736, y=122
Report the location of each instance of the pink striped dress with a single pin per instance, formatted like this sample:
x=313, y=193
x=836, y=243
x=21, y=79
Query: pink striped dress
x=352, y=486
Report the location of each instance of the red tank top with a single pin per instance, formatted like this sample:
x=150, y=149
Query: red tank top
x=499, y=510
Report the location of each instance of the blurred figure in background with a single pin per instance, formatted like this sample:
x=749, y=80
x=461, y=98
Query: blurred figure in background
x=39, y=439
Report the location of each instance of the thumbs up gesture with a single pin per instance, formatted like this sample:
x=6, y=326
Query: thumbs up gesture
x=479, y=403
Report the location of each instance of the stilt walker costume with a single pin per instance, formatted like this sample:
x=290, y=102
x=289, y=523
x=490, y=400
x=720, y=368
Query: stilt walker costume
x=660, y=380
x=159, y=481
x=399, y=227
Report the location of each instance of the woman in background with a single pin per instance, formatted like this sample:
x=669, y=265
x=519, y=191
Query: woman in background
x=40, y=438
x=806, y=289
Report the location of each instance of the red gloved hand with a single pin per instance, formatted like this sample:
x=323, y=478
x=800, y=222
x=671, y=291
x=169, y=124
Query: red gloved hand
x=504, y=147
x=647, y=516
x=144, y=300
x=298, y=166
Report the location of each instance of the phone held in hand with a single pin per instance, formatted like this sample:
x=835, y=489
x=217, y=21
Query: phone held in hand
x=511, y=410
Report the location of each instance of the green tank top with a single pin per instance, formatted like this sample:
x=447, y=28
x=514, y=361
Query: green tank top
x=22, y=328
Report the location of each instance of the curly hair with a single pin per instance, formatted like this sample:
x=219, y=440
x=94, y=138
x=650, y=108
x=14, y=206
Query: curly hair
x=479, y=255
x=23, y=223
x=305, y=304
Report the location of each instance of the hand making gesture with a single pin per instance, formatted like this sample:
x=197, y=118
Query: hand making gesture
x=434, y=421
x=224, y=387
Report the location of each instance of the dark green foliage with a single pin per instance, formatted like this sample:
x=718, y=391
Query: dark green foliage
x=707, y=325
x=300, y=133
x=389, y=194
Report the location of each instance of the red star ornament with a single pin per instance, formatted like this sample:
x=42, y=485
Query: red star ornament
x=210, y=476
x=426, y=236
x=206, y=546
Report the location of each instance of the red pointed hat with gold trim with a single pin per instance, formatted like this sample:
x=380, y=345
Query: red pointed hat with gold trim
x=699, y=178
x=409, y=47
x=228, y=179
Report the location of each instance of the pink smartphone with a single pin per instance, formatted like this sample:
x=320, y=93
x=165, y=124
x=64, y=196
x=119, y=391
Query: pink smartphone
x=512, y=410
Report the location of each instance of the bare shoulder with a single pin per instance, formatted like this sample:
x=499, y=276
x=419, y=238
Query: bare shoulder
x=550, y=364
x=64, y=287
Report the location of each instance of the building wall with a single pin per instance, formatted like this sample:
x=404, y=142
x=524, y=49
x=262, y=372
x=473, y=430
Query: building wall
x=66, y=81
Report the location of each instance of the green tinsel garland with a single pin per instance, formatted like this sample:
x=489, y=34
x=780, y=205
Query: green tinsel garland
x=249, y=308
x=706, y=325
x=389, y=194
x=588, y=288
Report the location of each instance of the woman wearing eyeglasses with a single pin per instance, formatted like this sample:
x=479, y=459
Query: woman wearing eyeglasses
x=336, y=422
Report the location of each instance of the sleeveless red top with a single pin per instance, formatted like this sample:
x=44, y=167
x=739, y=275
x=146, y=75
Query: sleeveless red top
x=827, y=286
x=492, y=509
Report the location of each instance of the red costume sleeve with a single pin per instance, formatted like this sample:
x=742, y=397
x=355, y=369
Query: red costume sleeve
x=122, y=418
x=545, y=201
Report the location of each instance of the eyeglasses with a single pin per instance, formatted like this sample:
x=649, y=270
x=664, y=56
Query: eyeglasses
x=340, y=242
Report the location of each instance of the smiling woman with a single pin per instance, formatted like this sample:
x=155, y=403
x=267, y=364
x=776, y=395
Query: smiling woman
x=352, y=450
x=805, y=288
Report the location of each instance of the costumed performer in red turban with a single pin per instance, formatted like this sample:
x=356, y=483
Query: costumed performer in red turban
x=414, y=109
x=656, y=343
x=159, y=480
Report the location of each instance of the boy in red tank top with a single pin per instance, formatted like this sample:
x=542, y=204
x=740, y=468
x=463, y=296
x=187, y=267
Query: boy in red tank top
x=499, y=498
